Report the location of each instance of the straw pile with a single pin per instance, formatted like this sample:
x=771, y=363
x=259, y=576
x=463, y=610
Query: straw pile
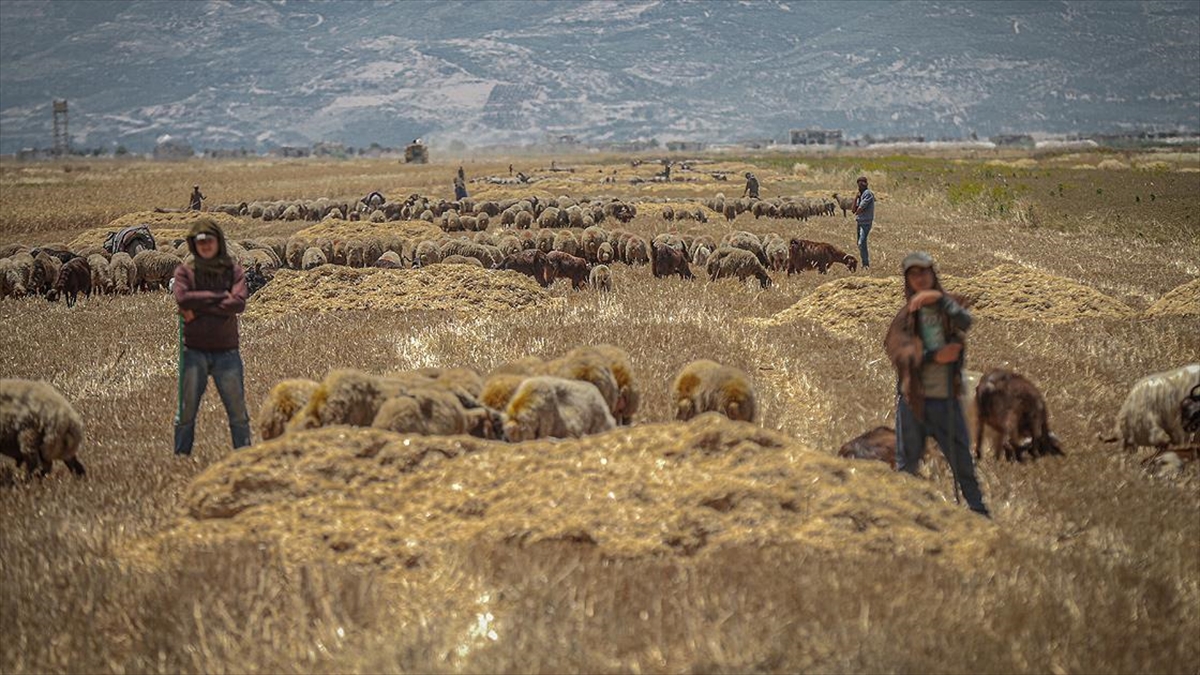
x=1182, y=300
x=401, y=503
x=1006, y=293
x=457, y=288
x=164, y=226
x=340, y=230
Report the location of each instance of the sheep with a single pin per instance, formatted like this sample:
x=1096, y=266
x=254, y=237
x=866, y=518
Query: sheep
x=524, y=220
x=618, y=363
x=460, y=260
x=845, y=203
x=749, y=242
x=777, y=254
x=14, y=275
x=531, y=262
x=600, y=278
x=593, y=238
x=527, y=366
x=45, y=272
x=154, y=268
x=877, y=444
x=605, y=253
x=592, y=368
x=637, y=251
x=9, y=250
x=1012, y=405
x=390, y=260
x=1189, y=411
x=567, y=266
x=74, y=277
x=345, y=397
x=123, y=272
x=428, y=252
x=807, y=255
x=736, y=262
x=553, y=407
x=705, y=385
x=425, y=412
x=38, y=425
x=668, y=261
x=282, y=403
x=566, y=242
x=313, y=257
x=548, y=218
x=1151, y=413
x=499, y=389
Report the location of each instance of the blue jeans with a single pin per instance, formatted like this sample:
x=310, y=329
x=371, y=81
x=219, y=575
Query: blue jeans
x=226, y=370
x=863, y=230
x=945, y=422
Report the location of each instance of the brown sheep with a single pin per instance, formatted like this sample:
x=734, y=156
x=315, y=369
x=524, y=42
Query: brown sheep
x=736, y=262
x=567, y=266
x=637, y=251
x=807, y=255
x=282, y=403
x=390, y=260
x=618, y=363
x=74, y=278
x=668, y=261
x=531, y=262
x=877, y=444
x=1012, y=405
x=704, y=386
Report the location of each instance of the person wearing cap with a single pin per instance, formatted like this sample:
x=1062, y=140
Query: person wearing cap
x=210, y=292
x=751, y=189
x=928, y=398
x=197, y=198
x=864, y=216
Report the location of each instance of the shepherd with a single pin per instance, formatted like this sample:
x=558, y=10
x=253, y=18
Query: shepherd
x=197, y=198
x=925, y=344
x=210, y=292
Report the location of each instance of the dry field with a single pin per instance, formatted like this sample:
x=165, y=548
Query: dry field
x=701, y=547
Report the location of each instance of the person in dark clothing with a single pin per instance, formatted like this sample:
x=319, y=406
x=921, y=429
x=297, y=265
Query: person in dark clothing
x=210, y=292
x=197, y=198
x=751, y=186
x=925, y=343
x=460, y=185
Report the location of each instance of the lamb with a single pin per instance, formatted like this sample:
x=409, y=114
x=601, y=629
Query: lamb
x=877, y=444
x=807, y=255
x=313, y=257
x=74, y=277
x=38, y=425
x=601, y=278
x=567, y=266
x=1151, y=412
x=668, y=261
x=1012, y=405
x=282, y=403
x=736, y=262
x=123, y=271
x=705, y=385
x=155, y=268
x=531, y=262
x=553, y=407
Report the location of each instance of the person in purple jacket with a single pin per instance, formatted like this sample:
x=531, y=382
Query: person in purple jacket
x=210, y=292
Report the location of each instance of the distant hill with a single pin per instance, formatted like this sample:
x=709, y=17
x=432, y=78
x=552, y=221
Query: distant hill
x=257, y=74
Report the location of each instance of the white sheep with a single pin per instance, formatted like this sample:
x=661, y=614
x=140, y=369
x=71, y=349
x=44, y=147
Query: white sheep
x=1150, y=414
x=553, y=407
x=38, y=426
x=285, y=399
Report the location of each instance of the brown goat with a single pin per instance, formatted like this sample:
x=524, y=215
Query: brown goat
x=666, y=261
x=1012, y=405
x=531, y=262
x=877, y=444
x=808, y=255
x=566, y=266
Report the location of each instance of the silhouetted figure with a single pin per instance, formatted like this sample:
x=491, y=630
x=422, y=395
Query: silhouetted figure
x=197, y=198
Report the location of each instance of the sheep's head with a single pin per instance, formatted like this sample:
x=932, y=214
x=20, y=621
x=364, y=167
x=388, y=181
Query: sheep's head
x=1189, y=409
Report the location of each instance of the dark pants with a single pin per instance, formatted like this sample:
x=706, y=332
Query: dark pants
x=460, y=192
x=864, y=229
x=945, y=422
x=226, y=370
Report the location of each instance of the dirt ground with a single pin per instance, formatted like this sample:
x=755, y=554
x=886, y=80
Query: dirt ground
x=665, y=547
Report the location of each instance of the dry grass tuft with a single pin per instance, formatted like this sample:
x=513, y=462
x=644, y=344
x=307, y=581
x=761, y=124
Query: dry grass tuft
x=455, y=288
x=1183, y=300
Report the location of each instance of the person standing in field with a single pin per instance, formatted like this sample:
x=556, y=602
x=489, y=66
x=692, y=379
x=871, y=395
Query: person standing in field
x=460, y=185
x=864, y=216
x=751, y=189
x=925, y=343
x=210, y=292
x=197, y=198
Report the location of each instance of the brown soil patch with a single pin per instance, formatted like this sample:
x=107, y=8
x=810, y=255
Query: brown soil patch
x=368, y=497
x=1183, y=300
x=348, y=229
x=1007, y=293
x=458, y=288
x=164, y=226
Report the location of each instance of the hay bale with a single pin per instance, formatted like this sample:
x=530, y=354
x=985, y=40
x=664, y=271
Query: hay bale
x=1182, y=300
x=845, y=304
x=164, y=226
x=340, y=230
x=456, y=288
x=404, y=503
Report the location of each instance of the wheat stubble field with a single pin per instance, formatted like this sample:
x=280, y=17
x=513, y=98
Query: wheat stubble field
x=665, y=547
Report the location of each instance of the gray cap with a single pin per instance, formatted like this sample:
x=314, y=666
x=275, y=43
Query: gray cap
x=917, y=259
x=203, y=236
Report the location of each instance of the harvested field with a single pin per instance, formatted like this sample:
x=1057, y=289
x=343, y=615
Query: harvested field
x=454, y=288
x=164, y=226
x=1183, y=301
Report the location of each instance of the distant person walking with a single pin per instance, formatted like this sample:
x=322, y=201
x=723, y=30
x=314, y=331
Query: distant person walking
x=751, y=189
x=197, y=198
x=210, y=292
x=864, y=216
x=460, y=185
x=929, y=384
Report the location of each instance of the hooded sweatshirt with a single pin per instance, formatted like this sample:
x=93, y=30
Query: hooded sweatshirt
x=215, y=289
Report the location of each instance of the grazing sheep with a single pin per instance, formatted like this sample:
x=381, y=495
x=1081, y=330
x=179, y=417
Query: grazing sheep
x=567, y=266
x=531, y=262
x=667, y=261
x=1150, y=414
x=345, y=397
x=425, y=412
x=749, y=242
x=460, y=260
x=74, y=278
x=155, y=269
x=123, y=271
x=600, y=278
x=618, y=363
x=12, y=278
x=593, y=238
x=294, y=253
x=605, y=253
x=524, y=220
x=313, y=257
x=390, y=260
x=705, y=385
x=845, y=203
x=637, y=251
x=877, y=444
x=284, y=400
x=499, y=389
x=553, y=407
x=45, y=271
x=1012, y=405
x=548, y=218
x=736, y=262
x=566, y=242
x=808, y=255
x=38, y=426
x=777, y=254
